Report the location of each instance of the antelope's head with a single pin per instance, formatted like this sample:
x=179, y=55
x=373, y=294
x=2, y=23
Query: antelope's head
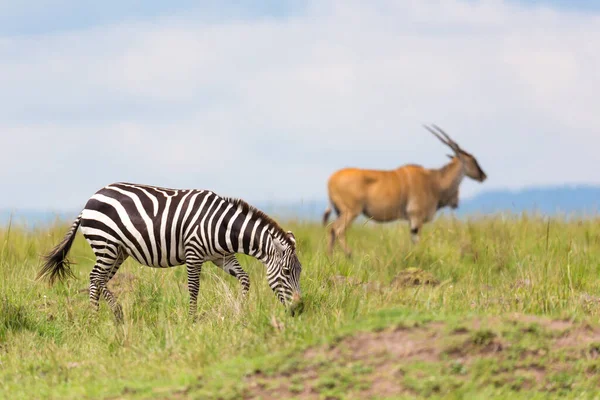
x=469, y=162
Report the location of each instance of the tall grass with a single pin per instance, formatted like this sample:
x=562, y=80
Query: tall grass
x=51, y=345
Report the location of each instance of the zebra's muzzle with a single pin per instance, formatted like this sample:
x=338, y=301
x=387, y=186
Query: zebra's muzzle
x=297, y=305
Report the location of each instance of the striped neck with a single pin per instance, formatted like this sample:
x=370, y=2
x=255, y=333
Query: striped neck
x=254, y=231
x=250, y=232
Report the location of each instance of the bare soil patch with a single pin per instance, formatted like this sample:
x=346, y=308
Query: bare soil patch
x=377, y=361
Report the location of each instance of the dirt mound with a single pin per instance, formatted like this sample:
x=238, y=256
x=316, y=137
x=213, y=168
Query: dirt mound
x=414, y=277
x=518, y=352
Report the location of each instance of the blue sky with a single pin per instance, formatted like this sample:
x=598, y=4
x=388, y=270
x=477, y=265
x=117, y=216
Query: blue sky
x=265, y=101
x=51, y=16
x=30, y=17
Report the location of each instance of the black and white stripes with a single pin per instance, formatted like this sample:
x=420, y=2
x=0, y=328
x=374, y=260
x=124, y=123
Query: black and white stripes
x=161, y=228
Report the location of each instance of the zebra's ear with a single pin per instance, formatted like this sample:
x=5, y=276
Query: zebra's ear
x=291, y=236
x=283, y=244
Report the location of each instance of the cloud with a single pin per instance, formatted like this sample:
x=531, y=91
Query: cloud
x=267, y=107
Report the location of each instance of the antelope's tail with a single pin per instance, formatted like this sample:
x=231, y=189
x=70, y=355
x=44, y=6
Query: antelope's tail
x=326, y=215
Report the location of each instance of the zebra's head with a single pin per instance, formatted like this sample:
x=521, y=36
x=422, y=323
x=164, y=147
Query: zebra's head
x=283, y=273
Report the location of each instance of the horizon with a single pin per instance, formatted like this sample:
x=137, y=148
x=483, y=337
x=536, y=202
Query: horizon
x=505, y=203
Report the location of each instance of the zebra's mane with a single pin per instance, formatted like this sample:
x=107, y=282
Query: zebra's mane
x=280, y=233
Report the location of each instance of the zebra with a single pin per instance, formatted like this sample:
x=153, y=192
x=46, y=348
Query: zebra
x=162, y=227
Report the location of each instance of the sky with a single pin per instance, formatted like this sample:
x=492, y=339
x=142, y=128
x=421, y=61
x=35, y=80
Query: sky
x=265, y=101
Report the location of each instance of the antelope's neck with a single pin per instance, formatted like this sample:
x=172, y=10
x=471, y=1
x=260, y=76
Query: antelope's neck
x=451, y=175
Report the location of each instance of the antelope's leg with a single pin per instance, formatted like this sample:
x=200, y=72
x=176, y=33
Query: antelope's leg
x=332, y=238
x=340, y=225
x=415, y=223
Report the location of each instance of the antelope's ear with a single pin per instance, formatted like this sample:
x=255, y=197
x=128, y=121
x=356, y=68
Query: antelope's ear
x=450, y=156
x=291, y=236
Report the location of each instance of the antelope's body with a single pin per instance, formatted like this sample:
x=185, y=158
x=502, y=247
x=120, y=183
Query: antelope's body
x=410, y=192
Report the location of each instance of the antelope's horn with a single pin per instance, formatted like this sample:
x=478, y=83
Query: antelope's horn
x=445, y=141
x=452, y=143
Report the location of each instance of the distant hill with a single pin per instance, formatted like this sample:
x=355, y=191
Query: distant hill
x=555, y=200
x=569, y=200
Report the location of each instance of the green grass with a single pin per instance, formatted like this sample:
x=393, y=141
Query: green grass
x=482, y=273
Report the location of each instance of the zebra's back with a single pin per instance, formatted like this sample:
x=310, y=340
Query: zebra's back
x=149, y=222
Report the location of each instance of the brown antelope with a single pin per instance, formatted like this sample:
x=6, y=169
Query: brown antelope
x=410, y=192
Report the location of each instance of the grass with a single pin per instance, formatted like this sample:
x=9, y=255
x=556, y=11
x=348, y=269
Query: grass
x=496, y=307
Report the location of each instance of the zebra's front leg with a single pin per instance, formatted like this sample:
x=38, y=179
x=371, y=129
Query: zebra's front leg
x=193, y=271
x=242, y=277
x=231, y=265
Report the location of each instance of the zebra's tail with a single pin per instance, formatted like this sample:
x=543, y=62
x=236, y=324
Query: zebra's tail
x=57, y=266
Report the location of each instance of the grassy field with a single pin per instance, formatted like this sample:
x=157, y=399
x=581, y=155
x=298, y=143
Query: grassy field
x=488, y=308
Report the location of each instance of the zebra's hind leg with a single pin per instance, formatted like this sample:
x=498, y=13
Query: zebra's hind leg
x=231, y=265
x=108, y=295
x=107, y=265
x=194, y=268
